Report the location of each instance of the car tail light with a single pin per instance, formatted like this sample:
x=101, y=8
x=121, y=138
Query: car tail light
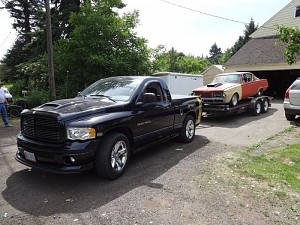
x=287, y=94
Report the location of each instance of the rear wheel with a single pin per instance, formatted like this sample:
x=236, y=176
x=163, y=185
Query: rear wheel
x=265, y=106
x=234, y=99
x=187, y=131
x=260, y=93
x=112, y=156
x=290, y=117
x=257, y=108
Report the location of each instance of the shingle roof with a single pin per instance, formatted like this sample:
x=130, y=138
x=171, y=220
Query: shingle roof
x=258, y=51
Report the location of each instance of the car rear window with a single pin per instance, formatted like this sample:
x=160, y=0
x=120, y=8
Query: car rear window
x=296, y=85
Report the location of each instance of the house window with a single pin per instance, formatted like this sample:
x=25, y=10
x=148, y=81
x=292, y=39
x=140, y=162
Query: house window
x=297, y=11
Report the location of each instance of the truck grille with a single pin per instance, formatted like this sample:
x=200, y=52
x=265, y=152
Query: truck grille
x=42, y=128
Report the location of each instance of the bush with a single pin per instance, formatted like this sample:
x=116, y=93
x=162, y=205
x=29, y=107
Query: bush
x=36, y=98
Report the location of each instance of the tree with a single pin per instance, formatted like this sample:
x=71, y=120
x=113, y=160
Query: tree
x=174, y=61
x=101, y=44
x=242, y=40
x=290, y=36
x=215, y=54
x=27, y=15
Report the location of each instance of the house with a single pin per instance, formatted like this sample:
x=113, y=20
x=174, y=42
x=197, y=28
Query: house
x=263, y=56
x=211, y=72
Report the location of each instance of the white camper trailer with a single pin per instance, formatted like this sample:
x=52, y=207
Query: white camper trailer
x=180, y=83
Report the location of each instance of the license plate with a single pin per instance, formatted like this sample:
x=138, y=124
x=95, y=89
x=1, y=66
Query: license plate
x=30, y=156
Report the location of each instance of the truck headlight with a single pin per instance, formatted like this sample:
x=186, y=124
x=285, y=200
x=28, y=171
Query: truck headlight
x=80, y=133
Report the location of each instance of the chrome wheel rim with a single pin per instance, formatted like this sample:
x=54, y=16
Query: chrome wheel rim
x=119, y=156
x=190, y=129
x=258, y=108
x=234, y=100
x=266, y=106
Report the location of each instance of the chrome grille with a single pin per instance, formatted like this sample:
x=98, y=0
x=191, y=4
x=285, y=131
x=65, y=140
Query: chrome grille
x=42, y=128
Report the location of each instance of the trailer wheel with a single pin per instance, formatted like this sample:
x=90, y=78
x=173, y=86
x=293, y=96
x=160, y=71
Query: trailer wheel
x=265, y=106
x=234, y=99
x=13, y=112
x=112, y=156
x=257, y=108
x=187, y=131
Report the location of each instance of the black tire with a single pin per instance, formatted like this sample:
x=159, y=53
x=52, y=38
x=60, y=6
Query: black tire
x=13, y=112
x=257, y=108
x=112, y=156
x=265, y=106
x=187, y=131
x=290, y=117
x=22, y=104
x=234, y=100
x=260, y=93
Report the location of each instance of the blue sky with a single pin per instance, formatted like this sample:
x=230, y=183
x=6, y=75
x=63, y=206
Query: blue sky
x=190, y=32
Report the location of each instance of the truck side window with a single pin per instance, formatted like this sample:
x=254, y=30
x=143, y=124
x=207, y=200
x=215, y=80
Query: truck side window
x=155, y=89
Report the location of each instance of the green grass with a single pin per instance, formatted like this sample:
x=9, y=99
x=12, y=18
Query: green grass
x=277, y=166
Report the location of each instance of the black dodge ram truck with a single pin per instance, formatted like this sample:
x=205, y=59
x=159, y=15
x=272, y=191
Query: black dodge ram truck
x=104, y=124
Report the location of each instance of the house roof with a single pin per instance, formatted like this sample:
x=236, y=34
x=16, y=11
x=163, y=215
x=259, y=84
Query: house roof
x=258, y=51
x=285, y=17
x=218, y=67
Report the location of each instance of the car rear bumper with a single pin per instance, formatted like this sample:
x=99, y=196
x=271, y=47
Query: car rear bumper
x=291, y=109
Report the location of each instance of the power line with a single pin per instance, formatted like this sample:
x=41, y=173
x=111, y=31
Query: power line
x=6, y=38
x=208, y=14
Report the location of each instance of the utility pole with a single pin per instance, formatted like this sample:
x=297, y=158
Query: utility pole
x=50, y=51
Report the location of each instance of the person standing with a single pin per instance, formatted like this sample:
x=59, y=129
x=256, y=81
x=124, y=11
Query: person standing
x=2, y=107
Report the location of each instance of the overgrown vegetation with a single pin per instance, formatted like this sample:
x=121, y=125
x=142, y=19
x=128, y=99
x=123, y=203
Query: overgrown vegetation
x=278, y=166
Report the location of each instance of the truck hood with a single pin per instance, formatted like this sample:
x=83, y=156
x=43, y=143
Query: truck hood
x=215, y=87
x=77, y=105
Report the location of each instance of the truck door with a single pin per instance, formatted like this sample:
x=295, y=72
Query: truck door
x=154, y=119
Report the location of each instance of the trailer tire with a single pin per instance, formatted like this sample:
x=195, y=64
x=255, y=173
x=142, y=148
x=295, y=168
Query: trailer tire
x=257, y=108
x=187, y=131
x=112, y=156
x=265, y=106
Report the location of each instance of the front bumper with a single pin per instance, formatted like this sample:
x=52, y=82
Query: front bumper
x=68, y=157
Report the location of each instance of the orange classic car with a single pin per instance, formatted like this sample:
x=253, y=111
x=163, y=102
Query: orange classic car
x=230, y=88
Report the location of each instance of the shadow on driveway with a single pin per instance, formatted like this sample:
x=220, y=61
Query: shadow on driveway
x=44, y=194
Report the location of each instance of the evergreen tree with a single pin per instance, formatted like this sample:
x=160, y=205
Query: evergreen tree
x=215, y=54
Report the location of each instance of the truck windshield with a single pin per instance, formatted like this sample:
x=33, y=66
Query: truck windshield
x=228, y=78
x=113, y=88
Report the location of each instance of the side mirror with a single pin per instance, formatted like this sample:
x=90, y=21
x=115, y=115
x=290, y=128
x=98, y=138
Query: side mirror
x=149, y=97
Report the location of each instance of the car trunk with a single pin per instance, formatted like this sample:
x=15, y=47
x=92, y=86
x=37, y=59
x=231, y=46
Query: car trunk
x=294, y=97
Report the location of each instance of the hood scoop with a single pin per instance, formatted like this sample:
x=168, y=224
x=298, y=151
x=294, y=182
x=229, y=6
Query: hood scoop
x=214, y=85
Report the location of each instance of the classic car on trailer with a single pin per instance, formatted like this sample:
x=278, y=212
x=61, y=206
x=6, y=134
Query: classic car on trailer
x=230, y=88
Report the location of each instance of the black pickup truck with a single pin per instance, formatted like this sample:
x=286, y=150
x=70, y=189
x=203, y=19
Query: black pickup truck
x=104, y=125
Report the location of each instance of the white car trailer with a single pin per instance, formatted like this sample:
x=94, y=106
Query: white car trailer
x=180, y=83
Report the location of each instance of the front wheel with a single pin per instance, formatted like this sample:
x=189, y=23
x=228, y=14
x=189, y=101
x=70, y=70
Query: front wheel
x=234, y=99
x=112, y=156
x=187, y=131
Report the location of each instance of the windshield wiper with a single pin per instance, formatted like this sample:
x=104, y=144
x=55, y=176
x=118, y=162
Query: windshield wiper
x=79, y=94
x=105, y=96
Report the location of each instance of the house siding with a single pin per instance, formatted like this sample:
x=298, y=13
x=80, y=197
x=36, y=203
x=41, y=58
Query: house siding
x=285, y=17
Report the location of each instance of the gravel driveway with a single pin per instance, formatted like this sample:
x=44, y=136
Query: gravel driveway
x=171, y=184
